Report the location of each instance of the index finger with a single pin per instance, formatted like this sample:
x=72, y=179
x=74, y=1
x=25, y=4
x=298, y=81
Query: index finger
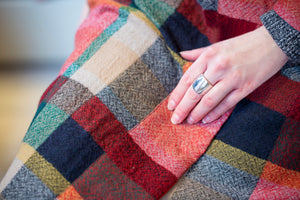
x=185, y=82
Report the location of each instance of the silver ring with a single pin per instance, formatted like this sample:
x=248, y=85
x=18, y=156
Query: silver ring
x=201, y=84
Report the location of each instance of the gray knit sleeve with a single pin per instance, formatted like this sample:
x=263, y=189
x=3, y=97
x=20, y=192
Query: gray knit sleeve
x=286, y=37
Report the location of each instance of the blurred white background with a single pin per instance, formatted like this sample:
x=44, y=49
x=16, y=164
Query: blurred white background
x=36, y=37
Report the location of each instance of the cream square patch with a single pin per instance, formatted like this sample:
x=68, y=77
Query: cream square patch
x=110, y=60
x=89, y=80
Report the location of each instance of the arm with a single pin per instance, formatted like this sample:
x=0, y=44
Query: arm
x=237, y=66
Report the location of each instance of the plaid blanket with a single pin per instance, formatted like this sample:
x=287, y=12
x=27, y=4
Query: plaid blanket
x=102, y=129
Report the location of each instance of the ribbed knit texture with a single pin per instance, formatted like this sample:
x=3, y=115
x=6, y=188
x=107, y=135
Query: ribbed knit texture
x=286, y=37
x=291, y=70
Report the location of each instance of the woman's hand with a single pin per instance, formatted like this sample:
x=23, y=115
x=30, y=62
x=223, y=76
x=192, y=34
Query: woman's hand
x=235, y=67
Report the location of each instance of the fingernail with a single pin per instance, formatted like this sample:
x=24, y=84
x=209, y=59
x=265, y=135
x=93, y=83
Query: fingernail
x=182, y=53
x=175, y=119
x=190, y=120
x=206, y=120
x=171, y=105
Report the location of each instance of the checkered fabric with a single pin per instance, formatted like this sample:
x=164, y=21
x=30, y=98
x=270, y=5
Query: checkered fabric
x=102, y=129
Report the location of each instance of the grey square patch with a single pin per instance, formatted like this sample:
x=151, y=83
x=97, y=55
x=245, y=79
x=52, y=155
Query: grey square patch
x=108, y=97
x=163, y=65
x=209, y=4
x=71, y=96
x=25, y=185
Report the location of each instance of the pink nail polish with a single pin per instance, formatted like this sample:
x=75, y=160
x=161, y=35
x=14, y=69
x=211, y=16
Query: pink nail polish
x=171, y=105
x=190, y=120
x=175, y=119
x=206, y=120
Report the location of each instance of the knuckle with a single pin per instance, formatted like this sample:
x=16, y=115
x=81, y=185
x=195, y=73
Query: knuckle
x=186, y=80
x=211, y=50
x=221, y=64
x=191, y=94
x=226, y=105
x=224, y=61
x=237, y=76
x=250, y=86
x=208, y=102
x=181, y=111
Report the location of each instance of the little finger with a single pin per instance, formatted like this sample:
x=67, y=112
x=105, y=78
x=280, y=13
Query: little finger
x=226, y=104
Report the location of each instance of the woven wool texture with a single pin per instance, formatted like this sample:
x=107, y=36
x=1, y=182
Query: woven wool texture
x=102, y=129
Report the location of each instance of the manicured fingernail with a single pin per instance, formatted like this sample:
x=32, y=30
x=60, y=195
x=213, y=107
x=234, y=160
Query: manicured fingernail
x=171, y=105
x=175, y=119
x=190, y=120
x=182, y=53
x=206, y=120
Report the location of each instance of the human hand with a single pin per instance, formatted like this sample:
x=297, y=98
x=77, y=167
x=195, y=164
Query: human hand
x=235, y=67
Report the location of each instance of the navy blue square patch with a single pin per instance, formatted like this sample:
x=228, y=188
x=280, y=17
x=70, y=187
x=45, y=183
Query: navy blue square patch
x=180, y=34
x=252, y=128
x=70, y=149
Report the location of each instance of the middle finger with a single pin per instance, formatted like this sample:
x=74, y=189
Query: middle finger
x=189, y=100
x=213, y=97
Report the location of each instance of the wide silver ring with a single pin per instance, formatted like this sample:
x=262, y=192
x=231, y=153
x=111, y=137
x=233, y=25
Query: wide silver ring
x=201, y=85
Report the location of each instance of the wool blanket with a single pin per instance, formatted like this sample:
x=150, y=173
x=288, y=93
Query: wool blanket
x=102, y=129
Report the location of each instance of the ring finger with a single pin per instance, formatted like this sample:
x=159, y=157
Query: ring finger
x=210, y=100
x=190, y=99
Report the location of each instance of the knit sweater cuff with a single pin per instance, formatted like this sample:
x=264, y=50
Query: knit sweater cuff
x=286, y=37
